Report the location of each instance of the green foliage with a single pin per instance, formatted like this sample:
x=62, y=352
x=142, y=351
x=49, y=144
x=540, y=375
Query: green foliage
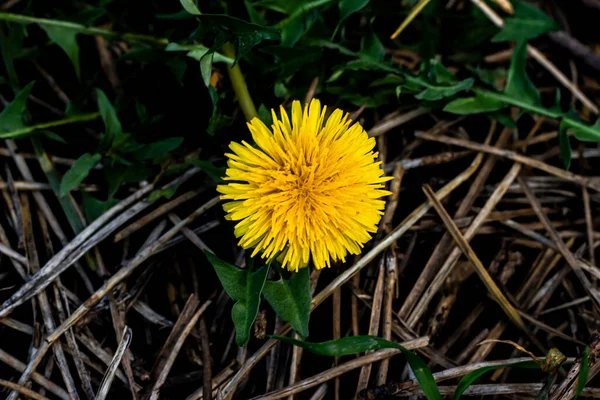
x=348, y=7
x=94, y=208
x=66, y=38
x=584, y=370
x=528, y=23
x=11, y=118
x=78, y=172
x=213, y=172
x=358, y=344
x=110, y=118
x=521, y=92
x=244, y=286
x=198, y=53
x=518, y=84
x=290, y=298
x=245, y=34
x=190, y=6
x=474, y=105
x=472, y=376
x=157, y=149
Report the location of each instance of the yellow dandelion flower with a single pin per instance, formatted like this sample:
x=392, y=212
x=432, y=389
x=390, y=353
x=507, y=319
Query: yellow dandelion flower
x=310, y=189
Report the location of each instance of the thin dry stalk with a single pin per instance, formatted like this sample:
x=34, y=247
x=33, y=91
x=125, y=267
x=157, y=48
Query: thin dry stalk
x=444, y=247
x=114, y=364
x=44, y=303
x=184, y=325
x=589, y=224
x=562, y=248
x=23, y=390
x=159, y=212
x=40, y=379
x=390, y=286
x=82, y=243
x=511, y=155
x=389, y=124
x=365, y=371
x=493, y=289
x=449, y=263
x=206, y=360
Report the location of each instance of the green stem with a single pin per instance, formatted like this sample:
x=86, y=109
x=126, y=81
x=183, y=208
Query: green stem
x=239, y=84
x=87, y=30
x=51, y=124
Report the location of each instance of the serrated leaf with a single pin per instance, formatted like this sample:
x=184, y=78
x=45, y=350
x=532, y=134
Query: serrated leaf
x=359, y=344
x=583, y=373
x=290, y=60
x=564, y=144
x=110, y=118
x=518, y=84
x=94, y=208
x=190, y=6
x=244, y=286
x=214, y=173
x=527, y=23
x=11, y=118
x=348, y=7
x=586, y=133
x=290, y=298
x=472, y=376
x=157, y=149
x=246, y=34
x=66, y=38
x=504, y=117
x=78, y=172
x=474, y=105
x=255, y=16
x=203, y=55
x=301, y=16
x=371, y=46
x=438, y=92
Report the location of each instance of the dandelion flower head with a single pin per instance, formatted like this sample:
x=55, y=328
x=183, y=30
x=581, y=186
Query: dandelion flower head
x=308, y=191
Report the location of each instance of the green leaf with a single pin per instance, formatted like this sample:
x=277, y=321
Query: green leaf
x=246, y=34
x=291, y=299
x=504, y=117
x=214, y=173
x=66, y=38
x=440, y=83
x=472, y=376
x=11, y=118
x=583, y=373
x=290, y=60
x=518, y=84
x=157, y=149
x=527, y=23
x=438, y=92
x=348, y=7
x=359, y=344
x=110, y=118
x=78, y=172
x=474, y=105
x=244, y=286
x=301, y=16
x=371, y=46
x=202, y=54
x=255, y=16
x=564, y=143
x=584, y=132
x=94, y=208
x=190, y=6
